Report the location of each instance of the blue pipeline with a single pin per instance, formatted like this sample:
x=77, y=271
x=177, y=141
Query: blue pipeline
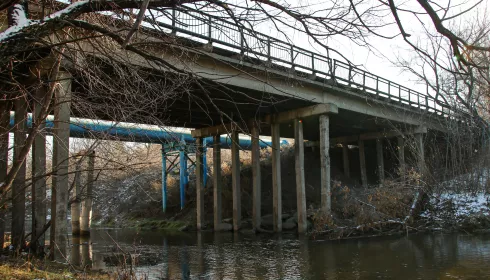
x=88, y=128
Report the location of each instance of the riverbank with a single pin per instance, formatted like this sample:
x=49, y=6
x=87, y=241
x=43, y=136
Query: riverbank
x=20, y=269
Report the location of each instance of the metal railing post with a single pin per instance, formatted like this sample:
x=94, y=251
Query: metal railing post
x=333, y=69
x=364, y=80
x=209, y=29
x=269, y=50
x=350, y=74
x=313, y=62
x=427, y=103
x=292, y=56
x=377, y=86
x=173, y=21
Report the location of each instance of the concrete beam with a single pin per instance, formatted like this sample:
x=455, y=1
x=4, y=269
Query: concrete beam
x=370, y=136
x=319, y=109
x=228, y=128
x=345, y=160
x=199, y=184
x=256, y=178
x=276, y=178
x=299, y=154
x=380, y=160
x=362, y=162
x=217, y=182
x=325, y=164
x=235, y=179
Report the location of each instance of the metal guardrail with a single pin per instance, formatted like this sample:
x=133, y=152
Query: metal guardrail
x=212, y=29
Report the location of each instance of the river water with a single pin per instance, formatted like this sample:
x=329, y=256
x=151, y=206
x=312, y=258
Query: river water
x=161, y=255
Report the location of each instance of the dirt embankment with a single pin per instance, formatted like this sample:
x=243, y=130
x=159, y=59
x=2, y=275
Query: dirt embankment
x=135, y=201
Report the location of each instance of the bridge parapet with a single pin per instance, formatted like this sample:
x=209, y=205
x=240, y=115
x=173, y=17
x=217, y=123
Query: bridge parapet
x=275, y=53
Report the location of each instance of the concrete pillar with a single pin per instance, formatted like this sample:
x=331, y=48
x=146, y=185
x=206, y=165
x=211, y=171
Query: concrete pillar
x=362, y=160
x=199, y=184
x=39, y=207
x=61, y=143
x=380, y=160
x=299, y=155
x=182, y=181
x=325, y=164
x=164, y=179
x=5, y=107
x=419, y=143
x=257, y=188
x=276, y=178
x=75, y=251
x=345, y=158
x=19, y=183
x=401, y=155
x=75, y=202
x=86, y=217
x=217, y=181
x=235, y=178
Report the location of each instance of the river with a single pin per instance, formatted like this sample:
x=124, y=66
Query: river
x=167, y=255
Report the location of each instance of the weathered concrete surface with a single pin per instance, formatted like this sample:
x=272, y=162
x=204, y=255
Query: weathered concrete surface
x=380, y=160
x=276, y=178
x=199, y=184
x=299, y=155
x=61, y=143
x=235, y=178
x=325, y=163
x=362, y=162
x=86, y=216
x=256, y=177
x=217, y=182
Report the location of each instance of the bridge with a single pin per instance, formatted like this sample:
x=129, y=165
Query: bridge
x=257, y=85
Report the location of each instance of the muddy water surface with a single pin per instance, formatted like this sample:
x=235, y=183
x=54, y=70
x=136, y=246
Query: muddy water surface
x=161, y=255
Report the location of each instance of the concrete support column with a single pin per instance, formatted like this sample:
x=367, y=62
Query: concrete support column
x=401, y=155
x=345, y=160
x=380, y=160
x=5, y=107
x=182, y=181
x=276, y=178
x=325, y=164
x=61, y=143
x=299, y=154
x=75, y=202
x=217, y=181
x=257, y=188
x=199, y=184
x=86, y=217
x=362, y=161
x=164, y=179
x=419, y=143
x=39, y=207
x=235, y=178
x=19, y=183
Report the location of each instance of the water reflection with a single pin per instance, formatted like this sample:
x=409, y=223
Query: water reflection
x=81, y=252
x=240, y=256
